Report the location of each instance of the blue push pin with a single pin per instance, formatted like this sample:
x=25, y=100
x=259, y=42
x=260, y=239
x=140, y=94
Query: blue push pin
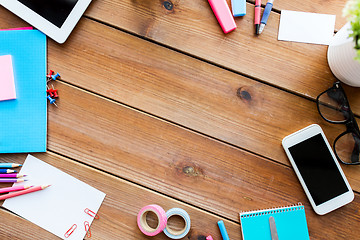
x=51, y=100
x=54, y=77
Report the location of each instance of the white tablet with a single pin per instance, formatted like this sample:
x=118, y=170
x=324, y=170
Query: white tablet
x=55, y=18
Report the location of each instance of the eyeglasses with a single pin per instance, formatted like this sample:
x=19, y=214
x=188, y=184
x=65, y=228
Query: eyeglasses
x=334, y=107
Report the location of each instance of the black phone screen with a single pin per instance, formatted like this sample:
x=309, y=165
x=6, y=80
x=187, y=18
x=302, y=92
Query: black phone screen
x=55, y=11
x=318, y=169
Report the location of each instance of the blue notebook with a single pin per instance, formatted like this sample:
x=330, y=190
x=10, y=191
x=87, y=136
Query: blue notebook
x=290, y=223
x=23, y=121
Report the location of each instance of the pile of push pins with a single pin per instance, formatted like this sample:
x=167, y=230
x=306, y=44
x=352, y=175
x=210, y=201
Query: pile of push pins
x=52, y=92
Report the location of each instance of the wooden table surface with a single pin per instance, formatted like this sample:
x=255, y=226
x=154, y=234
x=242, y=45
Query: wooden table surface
x=157, y=105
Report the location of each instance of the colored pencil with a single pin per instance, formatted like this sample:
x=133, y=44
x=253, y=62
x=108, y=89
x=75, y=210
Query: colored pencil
x=2, y=180
x=7, y=171
x=11, y=175
x=18, y=193
x=12, y=189
x=9, y=165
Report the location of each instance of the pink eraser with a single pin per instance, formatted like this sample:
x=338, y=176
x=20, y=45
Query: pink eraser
x=7, y=85
x=223, y=15
x=209, y=237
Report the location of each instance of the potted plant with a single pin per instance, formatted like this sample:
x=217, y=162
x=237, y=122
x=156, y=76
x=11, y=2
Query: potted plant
x=344, y=49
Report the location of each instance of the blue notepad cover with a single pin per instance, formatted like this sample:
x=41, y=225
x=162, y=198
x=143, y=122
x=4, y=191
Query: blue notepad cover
x=23, y=121
x=290, y=223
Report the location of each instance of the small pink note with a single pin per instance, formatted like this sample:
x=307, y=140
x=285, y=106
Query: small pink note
x=7, y=85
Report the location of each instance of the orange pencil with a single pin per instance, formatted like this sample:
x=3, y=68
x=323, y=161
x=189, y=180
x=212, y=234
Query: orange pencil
x=18, y=193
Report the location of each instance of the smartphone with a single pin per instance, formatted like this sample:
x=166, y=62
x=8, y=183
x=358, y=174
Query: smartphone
x=318, y=170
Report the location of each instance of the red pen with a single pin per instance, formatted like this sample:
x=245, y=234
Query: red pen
x=257, y=16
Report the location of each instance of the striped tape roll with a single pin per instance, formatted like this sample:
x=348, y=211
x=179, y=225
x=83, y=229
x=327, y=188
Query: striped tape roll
x=144, y=226
x=183, y=232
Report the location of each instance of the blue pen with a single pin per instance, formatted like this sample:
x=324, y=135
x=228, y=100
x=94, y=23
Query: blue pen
x=266, y=15
x=9, y=165
x=7, y=171
x=223, y=231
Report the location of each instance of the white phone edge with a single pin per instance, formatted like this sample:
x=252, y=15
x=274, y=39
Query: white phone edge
x=331, y=204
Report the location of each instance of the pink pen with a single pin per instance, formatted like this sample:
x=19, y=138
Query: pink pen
x=257, y=16
x=223, y=15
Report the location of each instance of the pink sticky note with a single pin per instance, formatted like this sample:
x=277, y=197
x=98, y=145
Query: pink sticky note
x=7, y=85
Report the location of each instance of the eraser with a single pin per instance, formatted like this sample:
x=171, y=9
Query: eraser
x=7, y=85
x=238, y=7
x=223, y=15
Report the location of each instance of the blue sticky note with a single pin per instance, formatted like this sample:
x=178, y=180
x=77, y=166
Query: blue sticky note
x=238, y=7
x=23, y=121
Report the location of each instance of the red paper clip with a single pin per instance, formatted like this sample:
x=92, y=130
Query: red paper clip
x=91, y=213
x=70, y=231
x=87, y=229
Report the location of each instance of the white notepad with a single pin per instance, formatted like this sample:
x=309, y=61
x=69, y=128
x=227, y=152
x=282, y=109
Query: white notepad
x=306, y=27
x=58, y=207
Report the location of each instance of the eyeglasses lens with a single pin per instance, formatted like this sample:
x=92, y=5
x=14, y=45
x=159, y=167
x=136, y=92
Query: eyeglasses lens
x=333, y=106
x=347, y=148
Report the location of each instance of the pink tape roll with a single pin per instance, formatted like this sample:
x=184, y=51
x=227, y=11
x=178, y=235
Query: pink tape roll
x=143, y=225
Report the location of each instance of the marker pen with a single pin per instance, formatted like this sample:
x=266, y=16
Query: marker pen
x=257, y=15
x=223, y=15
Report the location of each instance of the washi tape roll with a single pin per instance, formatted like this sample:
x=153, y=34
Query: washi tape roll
x=144, y=226
x=175, y=234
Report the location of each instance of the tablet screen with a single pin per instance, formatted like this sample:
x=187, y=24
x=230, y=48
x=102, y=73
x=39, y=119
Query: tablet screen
x=55, y=11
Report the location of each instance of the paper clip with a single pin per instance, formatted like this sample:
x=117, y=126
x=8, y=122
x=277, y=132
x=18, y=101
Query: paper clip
x=70, y=231
x=87, y=229
x=91, y=213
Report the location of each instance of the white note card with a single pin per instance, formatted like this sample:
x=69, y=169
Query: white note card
x=306, y=27
x=58, y=207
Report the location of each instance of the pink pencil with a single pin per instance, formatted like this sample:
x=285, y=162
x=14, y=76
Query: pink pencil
x=11, y=175
x=12, y=189
x=29, y=190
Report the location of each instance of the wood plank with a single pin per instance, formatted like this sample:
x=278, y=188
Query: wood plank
x=186, y=91
x=178, y=163
x=119, y=210
x=298, y=67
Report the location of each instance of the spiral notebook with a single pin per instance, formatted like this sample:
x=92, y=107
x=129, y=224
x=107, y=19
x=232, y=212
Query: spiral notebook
x=290, y=223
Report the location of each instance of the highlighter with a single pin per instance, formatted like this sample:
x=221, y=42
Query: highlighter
x=238, y=7
x=223, y=15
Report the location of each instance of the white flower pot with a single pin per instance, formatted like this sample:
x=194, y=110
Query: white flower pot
x=341, y=53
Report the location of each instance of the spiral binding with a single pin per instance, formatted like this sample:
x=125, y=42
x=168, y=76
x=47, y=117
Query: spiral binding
x=268, y=211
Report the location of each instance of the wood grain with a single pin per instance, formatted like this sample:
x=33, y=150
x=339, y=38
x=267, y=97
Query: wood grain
x=119, y=210
x=173, y=161
x=191, y=27
x=211, y=140
x=199, y=96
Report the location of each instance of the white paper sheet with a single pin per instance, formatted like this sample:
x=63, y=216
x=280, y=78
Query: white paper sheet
x=306, y=27
x=59, y=206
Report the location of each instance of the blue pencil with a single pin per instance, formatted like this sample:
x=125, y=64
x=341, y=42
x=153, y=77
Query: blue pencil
x=9, y=165
x=7, y=171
